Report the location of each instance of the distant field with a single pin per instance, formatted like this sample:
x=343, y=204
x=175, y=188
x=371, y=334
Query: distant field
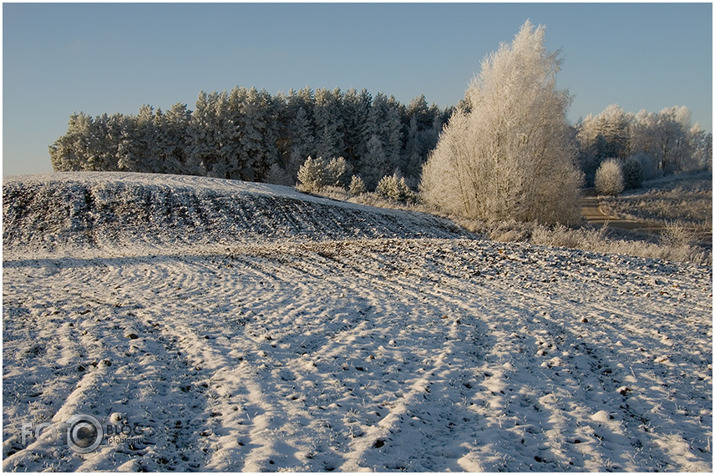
x=684, y=199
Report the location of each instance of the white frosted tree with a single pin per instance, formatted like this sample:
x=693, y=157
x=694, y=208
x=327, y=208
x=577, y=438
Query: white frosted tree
x=643, y=132
x=673, y=147
x=136, y=151
x=161, y=145
x=448, y=175
x=394, y=188
x=382, y=137
x=669, y=138
x=257, y=149
x=146, y=140
x=176, y=121
x=511, y=154
x=602, y=136
x=311, y=176
x=203, y=140
x=105, y=137
x=420, y=110
x=357, y=186
x=115, y=126
x=702, y=146
x=337, y=171
x=609, y=178
x=606, y=135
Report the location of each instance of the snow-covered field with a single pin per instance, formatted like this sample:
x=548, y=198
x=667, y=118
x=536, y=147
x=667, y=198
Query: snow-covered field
x=77, y=213
x=298, y=333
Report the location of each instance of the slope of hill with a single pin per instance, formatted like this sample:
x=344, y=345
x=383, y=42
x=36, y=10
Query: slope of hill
x=49, y=213
x=435, y=353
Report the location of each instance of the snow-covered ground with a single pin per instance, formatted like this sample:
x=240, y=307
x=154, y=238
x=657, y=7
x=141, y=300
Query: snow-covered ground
x=376, y=340
x=77, y=213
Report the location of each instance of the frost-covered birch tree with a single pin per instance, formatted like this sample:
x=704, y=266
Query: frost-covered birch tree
x=511, y=153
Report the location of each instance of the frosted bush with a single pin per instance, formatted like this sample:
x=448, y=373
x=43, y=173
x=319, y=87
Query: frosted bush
x=336, y=171
x=609, y=178
x=677, y=235
x=310, y=175
x=357, y=186
x=394, y=188
x=317, y=173
x=509, y=231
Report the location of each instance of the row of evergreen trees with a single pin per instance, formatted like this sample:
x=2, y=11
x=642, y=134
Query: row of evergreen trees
x=251, y=135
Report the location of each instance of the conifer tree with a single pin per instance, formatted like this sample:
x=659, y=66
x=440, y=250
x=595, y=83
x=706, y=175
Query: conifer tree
x=71, y=151
x=329, y=139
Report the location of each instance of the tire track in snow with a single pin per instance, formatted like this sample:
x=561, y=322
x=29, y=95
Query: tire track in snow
x=351, y=331
x=116, y=343
x=418, y=385
x=296, y=365
x=610, y=372
x=545, y=398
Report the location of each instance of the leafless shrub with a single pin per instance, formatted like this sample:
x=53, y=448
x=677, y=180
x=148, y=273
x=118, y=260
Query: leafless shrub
x=677, y=235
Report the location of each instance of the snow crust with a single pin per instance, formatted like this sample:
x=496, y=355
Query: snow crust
x=319, y=353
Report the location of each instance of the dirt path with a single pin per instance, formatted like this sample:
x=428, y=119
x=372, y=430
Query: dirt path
x=593, y=214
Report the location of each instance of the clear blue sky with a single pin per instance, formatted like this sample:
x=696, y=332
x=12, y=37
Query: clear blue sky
x=59, y=59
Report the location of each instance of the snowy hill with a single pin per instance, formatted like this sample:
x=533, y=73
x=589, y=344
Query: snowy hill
x=116, y=210
x=308, y=350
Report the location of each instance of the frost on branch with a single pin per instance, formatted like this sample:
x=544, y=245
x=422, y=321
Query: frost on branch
x=509, y=153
